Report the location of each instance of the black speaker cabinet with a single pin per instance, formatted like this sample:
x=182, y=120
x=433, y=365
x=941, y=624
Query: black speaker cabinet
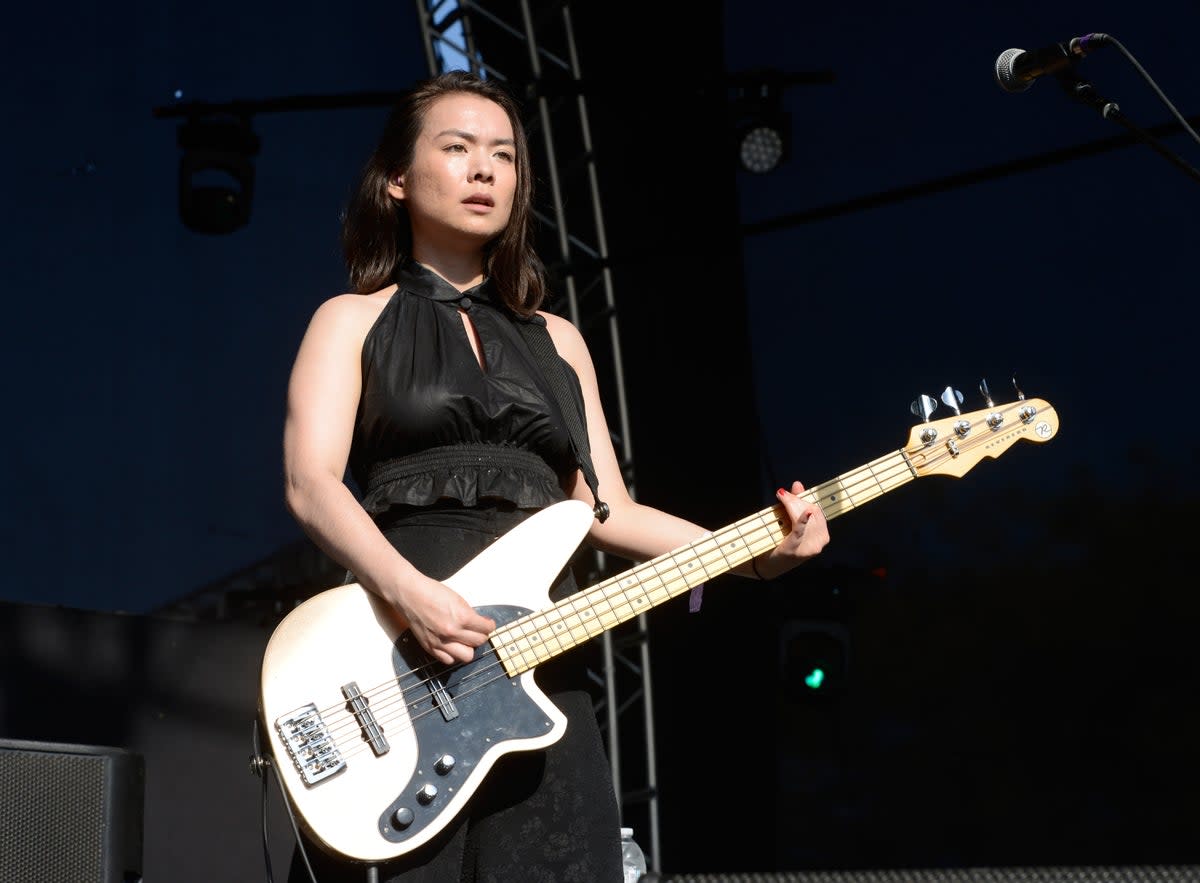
x=71, y=813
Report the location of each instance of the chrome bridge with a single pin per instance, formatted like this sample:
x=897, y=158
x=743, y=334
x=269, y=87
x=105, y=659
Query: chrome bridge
x=309, y=744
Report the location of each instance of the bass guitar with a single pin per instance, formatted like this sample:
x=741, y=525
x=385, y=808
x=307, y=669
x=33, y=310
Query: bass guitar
x=378, y=746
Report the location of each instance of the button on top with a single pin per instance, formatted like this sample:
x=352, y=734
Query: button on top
x=465, y=303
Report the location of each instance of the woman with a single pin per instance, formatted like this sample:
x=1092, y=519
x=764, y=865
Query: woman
x=421, y=383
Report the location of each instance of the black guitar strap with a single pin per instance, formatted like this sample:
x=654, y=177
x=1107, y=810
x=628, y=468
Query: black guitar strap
x=538, y=338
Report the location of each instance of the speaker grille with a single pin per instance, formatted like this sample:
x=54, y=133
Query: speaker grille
x=64, y=814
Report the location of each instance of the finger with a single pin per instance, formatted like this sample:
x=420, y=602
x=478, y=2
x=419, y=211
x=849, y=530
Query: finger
x=472, y=634
x=809, y=509
x=792, y=504
x=452, y=652
x=468, y=618
x=482, y=624
x=473, y=628
x=470, y=638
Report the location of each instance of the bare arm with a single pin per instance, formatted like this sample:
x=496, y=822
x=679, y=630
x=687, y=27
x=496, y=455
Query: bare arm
x=322, y=401
x=639, y=532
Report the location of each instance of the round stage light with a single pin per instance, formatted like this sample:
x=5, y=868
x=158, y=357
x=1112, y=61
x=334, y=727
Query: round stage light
x=761, y=149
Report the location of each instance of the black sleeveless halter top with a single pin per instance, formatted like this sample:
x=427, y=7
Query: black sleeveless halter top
x=434, y=426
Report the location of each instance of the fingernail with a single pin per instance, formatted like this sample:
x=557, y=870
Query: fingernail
x=780, y=492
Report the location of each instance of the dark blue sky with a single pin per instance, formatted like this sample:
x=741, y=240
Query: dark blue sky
x=144, y=365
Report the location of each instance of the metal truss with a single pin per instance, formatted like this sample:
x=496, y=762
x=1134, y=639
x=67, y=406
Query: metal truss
x=531, y=47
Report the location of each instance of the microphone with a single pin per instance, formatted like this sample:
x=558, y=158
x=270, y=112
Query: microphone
x=1016, y=69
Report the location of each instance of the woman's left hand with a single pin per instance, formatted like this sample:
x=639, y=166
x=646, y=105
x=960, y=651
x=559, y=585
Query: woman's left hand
x=808, y=536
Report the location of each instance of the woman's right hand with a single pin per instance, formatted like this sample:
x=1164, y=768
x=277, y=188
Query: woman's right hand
x=444, y=624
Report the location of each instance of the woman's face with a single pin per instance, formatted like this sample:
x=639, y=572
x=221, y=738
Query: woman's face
x=460, y=187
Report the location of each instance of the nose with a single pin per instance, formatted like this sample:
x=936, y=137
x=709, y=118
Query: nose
x=481, y=168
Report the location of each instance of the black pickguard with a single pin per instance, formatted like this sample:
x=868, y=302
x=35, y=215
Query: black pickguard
x=486, y=707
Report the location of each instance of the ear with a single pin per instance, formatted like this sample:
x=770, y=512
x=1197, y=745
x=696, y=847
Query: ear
x=395, y=187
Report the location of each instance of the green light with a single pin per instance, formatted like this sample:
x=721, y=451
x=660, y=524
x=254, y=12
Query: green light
x=815, y=678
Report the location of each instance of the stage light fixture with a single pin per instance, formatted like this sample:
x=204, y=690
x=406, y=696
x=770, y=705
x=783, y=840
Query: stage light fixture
x=762, y=145
x=763, y=132
x=216, y=172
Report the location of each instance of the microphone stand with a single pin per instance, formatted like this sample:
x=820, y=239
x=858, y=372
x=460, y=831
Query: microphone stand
x=1084, y=92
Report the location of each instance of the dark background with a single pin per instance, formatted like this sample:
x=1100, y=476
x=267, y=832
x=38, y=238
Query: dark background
x=1019, y=674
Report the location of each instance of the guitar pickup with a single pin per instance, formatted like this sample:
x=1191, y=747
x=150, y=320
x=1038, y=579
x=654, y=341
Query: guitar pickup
x=360, y=707
x=309, y=744
x=422, y=661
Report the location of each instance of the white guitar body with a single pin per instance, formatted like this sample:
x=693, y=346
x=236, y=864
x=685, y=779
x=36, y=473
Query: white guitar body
x=441, y=740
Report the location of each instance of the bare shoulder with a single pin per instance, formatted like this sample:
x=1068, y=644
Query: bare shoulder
x=567, y=339
x=571, y=346
x=349, y=314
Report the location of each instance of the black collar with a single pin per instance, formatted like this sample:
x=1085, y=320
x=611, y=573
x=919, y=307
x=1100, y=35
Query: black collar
x=418, y=279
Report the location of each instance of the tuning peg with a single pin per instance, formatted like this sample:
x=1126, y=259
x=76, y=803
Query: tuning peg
x=923, y=407
x=995, y=418
x=983, y=391
x=952, y=398
x=1026, y=412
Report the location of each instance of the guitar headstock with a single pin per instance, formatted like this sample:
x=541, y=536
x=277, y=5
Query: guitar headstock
x=954, y=445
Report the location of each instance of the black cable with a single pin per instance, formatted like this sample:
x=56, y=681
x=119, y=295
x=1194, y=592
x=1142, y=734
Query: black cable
x=265, y=846
x=262, y=765
x=1108, y=38
x=259, y=765
x=1084, y=92
x=296, y=830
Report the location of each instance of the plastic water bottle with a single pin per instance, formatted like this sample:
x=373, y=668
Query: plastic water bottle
x=633, y=860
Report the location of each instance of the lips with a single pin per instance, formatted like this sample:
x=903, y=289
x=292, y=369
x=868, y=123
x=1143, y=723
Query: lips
x=479, y=199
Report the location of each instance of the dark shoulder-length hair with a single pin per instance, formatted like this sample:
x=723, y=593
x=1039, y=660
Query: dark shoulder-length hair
x=376, y=235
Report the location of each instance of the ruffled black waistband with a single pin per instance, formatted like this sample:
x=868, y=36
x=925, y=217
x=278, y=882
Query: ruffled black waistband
x=468, y=473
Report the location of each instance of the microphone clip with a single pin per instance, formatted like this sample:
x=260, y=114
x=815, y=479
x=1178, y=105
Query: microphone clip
x=1081, y=90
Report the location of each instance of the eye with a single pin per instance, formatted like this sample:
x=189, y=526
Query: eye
x=456, y=148
x=506, y=155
